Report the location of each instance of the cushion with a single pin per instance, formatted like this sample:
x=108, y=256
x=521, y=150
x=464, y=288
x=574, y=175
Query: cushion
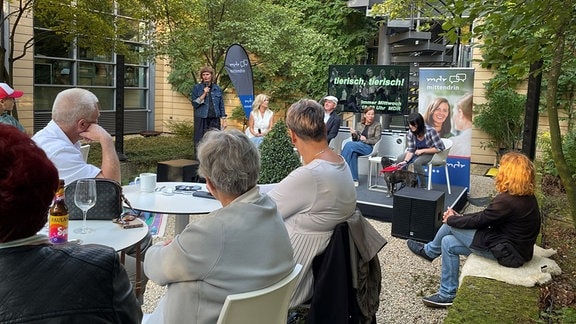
x=539, y=270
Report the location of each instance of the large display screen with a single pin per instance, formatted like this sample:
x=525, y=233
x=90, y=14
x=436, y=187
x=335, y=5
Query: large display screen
x=384, y=87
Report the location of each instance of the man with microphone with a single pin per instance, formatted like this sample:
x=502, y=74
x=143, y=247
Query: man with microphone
x=208, y=102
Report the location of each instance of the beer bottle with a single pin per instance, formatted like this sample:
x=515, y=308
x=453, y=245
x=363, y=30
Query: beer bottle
x=58, y=217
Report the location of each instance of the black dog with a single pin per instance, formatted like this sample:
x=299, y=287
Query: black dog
x=405, y=177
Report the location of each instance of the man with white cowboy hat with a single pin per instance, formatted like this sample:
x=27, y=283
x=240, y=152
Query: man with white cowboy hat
x=7, y=96
x=331, y=117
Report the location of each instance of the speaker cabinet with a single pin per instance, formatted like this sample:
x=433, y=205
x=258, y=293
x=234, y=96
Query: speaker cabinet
x=177, y=171
x=417, y=213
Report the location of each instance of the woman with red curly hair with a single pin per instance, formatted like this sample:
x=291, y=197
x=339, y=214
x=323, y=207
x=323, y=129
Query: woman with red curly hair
x=505, y=231
x=41, y=282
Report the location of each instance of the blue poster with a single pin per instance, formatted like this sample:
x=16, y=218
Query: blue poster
x=445, y=101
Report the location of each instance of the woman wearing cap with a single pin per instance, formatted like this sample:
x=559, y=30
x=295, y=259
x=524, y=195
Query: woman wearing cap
x=7, y=96
x=261, y=119
x=331, y=117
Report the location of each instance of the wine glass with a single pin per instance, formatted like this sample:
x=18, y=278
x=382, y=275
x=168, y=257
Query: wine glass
x=85, y=198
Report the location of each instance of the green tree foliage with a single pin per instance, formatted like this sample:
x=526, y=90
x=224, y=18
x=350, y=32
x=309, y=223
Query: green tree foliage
x=516, y=34
x=277, y=155
x=502, y=117
x=89, y=23
x=290, y=44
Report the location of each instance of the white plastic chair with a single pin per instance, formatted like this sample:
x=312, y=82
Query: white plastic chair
x=85, y=149
x=265, y=306
x=439, y=159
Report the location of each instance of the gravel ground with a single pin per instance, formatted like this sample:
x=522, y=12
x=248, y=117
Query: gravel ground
x=406, y=278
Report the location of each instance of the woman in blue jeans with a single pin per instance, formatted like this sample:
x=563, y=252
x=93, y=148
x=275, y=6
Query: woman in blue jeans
x=506, y=230
x=366, y=134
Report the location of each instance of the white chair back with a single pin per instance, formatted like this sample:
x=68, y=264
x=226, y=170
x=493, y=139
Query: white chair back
x=265, y=306
x=85, y=149
x=439, y=159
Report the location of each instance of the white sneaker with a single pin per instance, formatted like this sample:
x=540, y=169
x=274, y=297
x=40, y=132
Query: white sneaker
x=356, y=184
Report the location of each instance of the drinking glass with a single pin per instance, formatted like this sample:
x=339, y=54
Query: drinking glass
x=85, y=198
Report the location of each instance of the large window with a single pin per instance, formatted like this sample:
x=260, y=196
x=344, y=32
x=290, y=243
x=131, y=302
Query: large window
x=60, y=64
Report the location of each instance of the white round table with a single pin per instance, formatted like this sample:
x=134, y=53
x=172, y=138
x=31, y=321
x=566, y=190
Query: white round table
x=178, y=204
x=105, y=232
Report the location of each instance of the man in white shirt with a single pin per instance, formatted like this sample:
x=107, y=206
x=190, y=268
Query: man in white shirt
x=75, y=115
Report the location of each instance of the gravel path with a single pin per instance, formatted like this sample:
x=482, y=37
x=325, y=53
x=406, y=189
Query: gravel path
x=406, y=278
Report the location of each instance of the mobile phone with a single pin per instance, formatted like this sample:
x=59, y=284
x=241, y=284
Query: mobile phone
x=259, y=131
x=186, y=188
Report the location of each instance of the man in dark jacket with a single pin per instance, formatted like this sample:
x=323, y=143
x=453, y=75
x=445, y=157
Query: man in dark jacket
x=331, y=118
x=41, y=282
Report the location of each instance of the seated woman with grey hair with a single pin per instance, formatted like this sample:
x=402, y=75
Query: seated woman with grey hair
x=317, y=196
x=240, y=247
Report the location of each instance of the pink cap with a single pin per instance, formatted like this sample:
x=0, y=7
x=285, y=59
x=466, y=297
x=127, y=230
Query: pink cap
x=7, y=92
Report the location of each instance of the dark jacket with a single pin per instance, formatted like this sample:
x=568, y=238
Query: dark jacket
x=511, y=219
x=70, y=283
x=332, y=126
x=347, y=275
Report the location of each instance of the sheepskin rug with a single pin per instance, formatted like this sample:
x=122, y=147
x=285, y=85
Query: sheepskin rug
x=538, y=271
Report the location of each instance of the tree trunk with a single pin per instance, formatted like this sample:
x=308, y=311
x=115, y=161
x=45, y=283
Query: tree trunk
x=555, y=134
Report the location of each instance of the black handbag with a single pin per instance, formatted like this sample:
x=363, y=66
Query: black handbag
x=506, y=255
x=109, y=198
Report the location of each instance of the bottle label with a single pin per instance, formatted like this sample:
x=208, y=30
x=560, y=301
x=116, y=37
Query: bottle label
x=58, y=229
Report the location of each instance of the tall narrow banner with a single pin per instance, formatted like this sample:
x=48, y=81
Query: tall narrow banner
x=237, y=64
x=445, y=102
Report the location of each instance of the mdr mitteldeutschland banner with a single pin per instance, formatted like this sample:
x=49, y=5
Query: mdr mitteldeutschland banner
x=445, y=102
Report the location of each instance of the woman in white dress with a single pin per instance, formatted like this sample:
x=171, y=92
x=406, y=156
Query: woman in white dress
x=261, y=119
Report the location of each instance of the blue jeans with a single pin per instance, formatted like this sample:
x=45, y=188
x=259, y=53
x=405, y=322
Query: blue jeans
x=351, y=152
x=257, y=140
x=451, y=242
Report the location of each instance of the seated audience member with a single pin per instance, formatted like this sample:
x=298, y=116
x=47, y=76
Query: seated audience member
x=75, y=115
x=317, y=196
x=510, y=223
x=331, y=117
x=241, y=247
x=261, y=119
x=41, y=282
x=7, y=98
x=366, y=134
x=423, y=142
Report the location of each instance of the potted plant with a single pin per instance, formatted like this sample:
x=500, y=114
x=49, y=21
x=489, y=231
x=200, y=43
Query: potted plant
x=277, y=155
x=501, y=117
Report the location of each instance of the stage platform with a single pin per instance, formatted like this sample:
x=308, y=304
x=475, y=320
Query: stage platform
x=376, y=204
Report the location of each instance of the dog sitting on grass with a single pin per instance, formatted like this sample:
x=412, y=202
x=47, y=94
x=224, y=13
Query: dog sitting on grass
x=392, y=178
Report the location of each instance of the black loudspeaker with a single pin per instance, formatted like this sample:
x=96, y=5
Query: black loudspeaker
x=177, y=171
x=417, y=213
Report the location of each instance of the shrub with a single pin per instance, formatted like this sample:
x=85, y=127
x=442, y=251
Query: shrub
x=143, y=153
x=182, y=128
x=277, y=155
x=545, y=163
x=501, y=118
